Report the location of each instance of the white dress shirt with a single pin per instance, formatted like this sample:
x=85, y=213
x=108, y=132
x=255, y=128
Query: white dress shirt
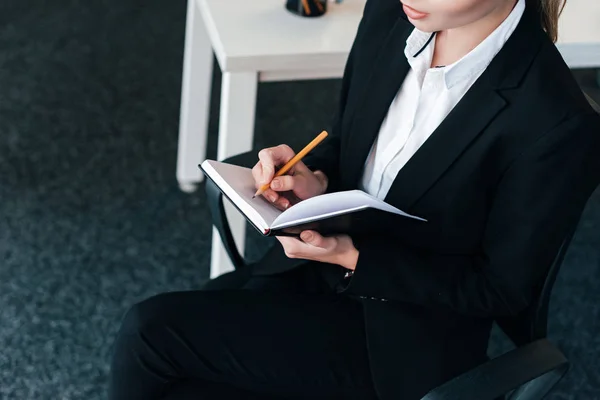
x=425, y=99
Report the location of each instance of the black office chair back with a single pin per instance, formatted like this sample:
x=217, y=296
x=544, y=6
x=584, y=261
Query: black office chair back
x=594, y=105
x=532, y=324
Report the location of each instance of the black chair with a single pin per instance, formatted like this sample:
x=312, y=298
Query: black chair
x=528, y=372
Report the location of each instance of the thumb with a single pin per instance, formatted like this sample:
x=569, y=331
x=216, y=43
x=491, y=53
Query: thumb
x=314, y=239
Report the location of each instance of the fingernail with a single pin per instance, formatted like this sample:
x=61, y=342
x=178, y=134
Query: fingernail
x=272, y=198
x=307, y=236
x=275, y=184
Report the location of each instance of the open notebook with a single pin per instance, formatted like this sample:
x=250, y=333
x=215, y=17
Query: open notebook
x=338, y=212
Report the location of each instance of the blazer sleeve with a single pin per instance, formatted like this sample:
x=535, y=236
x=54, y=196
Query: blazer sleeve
x=326, y=156
x=538, y=200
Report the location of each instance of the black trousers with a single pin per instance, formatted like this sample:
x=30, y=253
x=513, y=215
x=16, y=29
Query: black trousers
x=289, y=336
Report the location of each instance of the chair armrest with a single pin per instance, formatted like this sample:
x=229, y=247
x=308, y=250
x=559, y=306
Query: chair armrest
x=214, y=197
x=532, y=369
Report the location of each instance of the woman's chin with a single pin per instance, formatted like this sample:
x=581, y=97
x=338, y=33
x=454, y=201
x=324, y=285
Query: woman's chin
x=423, y=25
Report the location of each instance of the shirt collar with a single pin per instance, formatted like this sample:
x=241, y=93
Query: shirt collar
x=420, y=45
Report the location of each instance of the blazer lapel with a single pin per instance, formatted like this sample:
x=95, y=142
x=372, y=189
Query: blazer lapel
x=464, y=123
x=382, y=85
x=469, y=118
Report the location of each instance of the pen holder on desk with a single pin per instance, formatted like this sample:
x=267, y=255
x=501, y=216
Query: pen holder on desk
x=307, y=8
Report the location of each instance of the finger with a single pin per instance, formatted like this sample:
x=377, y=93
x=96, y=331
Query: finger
x=267, y=167
x=290, y=246
x=282, y=203
x=278, y=201
x=315, y=239
x=271, y=195
x=282, y=154
x=257, y=173
x=300, y=167
x=286, y=241
x=272, y=157
x=284, y=183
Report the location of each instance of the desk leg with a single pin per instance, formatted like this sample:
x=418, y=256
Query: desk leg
x=236, y=134
x=195, y=100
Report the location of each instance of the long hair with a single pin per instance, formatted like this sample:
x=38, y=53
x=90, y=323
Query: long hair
x=550, y=11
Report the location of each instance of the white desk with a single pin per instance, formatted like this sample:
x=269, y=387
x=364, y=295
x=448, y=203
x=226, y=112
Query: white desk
x=260, y=40
x=579, y=34
x=253, y=41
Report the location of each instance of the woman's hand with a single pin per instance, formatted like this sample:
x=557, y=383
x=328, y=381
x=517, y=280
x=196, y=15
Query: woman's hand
x=337, y=249
x=301, y=181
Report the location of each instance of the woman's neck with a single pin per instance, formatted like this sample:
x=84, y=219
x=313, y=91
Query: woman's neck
x=453, y=44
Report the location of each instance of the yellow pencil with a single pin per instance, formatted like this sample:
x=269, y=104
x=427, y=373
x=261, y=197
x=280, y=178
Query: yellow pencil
x=319, y=5
x=294, y=160
x=306, y=7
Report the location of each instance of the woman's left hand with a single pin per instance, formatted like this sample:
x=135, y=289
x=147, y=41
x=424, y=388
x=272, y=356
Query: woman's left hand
x=312, y=246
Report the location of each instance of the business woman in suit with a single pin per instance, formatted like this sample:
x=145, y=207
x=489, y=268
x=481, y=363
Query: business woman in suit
x=461, y=112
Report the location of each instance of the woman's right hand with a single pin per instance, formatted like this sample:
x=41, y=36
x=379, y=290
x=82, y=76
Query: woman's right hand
x=299, y=180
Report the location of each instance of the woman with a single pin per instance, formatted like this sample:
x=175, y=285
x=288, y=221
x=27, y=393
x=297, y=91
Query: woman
x=461, y=112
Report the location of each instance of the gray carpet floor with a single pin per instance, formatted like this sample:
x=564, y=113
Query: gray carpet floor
x=91, y=219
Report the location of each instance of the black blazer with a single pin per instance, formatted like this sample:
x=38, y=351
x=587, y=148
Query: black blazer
x=500, y=182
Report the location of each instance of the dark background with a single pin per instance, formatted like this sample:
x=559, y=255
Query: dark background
x=92, y=220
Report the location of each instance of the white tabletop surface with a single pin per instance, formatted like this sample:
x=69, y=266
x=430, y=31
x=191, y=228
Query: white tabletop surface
x=261, y=35
x=580, y=22
x=579, y=33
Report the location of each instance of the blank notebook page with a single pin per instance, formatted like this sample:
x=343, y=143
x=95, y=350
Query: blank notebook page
x=238, y=184
x=330, y=205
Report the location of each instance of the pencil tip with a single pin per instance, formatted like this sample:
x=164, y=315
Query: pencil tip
x=254, y=196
